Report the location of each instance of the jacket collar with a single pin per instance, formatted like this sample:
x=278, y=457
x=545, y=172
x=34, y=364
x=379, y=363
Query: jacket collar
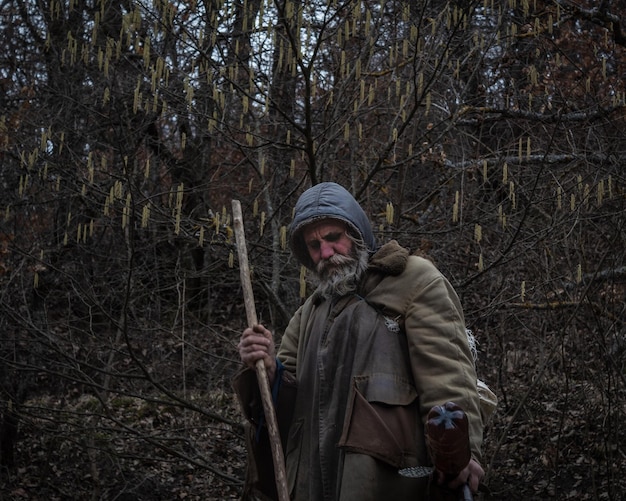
x=390, y=259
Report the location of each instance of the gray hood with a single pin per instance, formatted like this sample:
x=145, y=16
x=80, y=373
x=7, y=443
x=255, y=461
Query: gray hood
x=328, y=200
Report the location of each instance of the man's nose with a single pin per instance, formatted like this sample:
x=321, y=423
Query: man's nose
x=326, y=250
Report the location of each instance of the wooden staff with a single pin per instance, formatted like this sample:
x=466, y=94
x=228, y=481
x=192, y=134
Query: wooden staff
x=264, y=386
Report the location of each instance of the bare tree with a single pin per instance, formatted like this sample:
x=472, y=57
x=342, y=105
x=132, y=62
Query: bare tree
x=488, y=135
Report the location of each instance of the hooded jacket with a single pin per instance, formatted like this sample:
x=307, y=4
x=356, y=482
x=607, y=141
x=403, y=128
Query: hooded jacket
x=328, y=200
x=368, y=367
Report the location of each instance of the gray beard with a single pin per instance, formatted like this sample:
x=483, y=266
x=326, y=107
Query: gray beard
x=340, y=275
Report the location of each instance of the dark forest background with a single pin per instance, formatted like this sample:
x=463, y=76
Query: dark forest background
x=490, y=135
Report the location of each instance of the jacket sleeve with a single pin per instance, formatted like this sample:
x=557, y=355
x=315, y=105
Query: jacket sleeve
x=259, y=482
x=245, y=383
x=441, y=359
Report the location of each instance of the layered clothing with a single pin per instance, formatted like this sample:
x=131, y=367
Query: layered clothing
x=362, y=372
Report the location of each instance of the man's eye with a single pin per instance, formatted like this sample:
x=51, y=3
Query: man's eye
x=314, y=245
x=333, y=237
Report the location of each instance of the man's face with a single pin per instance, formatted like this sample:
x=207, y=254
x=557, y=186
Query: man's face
x=326, y=239
x=338, y=261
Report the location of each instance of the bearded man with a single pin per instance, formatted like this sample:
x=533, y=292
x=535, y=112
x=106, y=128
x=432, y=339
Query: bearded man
x=379, y=343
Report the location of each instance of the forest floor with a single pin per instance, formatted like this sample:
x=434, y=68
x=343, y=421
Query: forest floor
x=542, y=443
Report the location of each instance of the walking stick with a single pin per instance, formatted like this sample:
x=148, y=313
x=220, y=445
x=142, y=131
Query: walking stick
x=266, y=395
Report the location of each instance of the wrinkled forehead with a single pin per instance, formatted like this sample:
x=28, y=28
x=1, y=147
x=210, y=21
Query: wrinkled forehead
x=323, y=226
